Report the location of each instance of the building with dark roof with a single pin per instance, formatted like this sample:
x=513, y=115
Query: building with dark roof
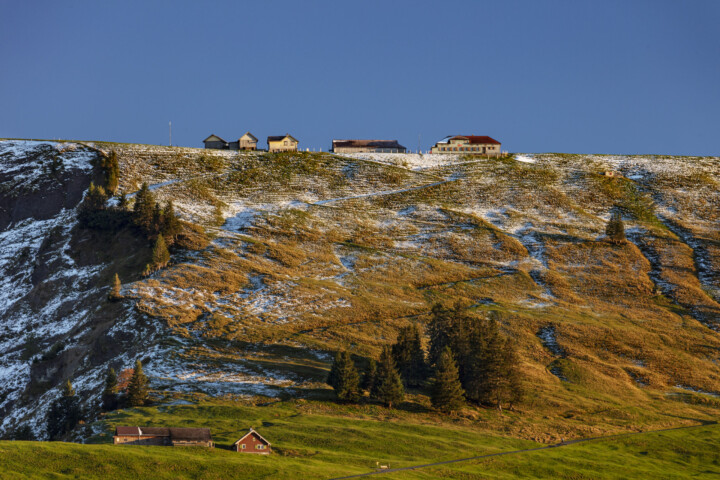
x=360, y=146
x=246, y=142
x=470, y=144
x=174, y=437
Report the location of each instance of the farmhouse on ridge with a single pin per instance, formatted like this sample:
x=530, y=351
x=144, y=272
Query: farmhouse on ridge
x=473, y=144
x=361, y=146
x=175, y=437
x=281, y=143
x=252, y=442
x=246, y=142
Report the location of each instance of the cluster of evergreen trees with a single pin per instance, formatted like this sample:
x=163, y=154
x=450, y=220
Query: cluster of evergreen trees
x=135, y=395
x=65, y=412
x=468, y=360
x=485, y=359
x=381, y=380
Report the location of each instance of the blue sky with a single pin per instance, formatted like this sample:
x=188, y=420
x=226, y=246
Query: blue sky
x=630, y=76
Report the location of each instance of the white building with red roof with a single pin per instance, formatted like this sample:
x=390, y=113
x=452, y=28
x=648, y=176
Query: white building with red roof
x=468, y=144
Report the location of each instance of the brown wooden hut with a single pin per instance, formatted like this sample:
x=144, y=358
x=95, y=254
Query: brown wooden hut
x=252, y=442
x=170, y=437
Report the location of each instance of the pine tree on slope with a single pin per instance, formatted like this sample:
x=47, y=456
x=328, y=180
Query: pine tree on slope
x=160, y=253
x=64, y=413
x=347, y=383
x=388, y=386
x=109, y=395
x=447, y=394
x=137, y=392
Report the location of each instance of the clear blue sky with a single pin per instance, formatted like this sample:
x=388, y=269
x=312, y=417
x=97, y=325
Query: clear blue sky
x=627, y=76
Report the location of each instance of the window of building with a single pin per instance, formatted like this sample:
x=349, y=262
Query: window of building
x=285, y=142
x=243, y=446
x=260, y=447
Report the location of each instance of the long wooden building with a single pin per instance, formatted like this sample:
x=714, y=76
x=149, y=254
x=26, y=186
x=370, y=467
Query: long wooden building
x=169, y=437
x=370, y=146
x=472, y=144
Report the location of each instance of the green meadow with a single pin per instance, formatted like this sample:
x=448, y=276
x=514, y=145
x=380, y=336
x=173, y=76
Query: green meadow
x=324, y=440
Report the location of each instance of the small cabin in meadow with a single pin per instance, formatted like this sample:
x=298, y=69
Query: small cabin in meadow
x=282, y=143
x=252, y=442
x=169, y=437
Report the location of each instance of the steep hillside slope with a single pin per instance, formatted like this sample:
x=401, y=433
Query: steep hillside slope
x=313, y=252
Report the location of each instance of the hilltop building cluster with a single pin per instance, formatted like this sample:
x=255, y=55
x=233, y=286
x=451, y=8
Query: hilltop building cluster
x=460, y=144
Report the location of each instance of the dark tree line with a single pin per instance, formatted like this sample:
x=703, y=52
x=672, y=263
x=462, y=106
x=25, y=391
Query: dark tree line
x=469, y=359
x=486, y=359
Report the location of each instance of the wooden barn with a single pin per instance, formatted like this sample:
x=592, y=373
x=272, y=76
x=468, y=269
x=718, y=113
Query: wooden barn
x=284, y=143
x=359, y=146
x=252, y=442
x=169, y=437
x=472, y=144
x=246, y=142
x=213, y=141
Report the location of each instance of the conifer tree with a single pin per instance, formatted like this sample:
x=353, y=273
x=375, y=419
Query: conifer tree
x=95, y=201
x=157, y=220
x=332, y=379
x=122, y=201
x=64, y=413
x=615, y=229
x=447, y=393
x=160, y=253
x=143, y=208
x=112, y=172
x=370, y=376
x=409, y=356
x=137, y=391
x=115, y=289
x=171, y=223
x=347, y=380
x=388, y=386
x=109, y=395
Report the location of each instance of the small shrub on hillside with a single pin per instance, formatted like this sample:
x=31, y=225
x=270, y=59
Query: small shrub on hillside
x=615, y=229
x=115, y=289
x=23, y=432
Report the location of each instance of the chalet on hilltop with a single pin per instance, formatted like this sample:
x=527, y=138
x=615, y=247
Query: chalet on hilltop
x=252, y=442
x=246, y=142
x=361, y=146
x=169, y=437
x=283, y=143
x=472, y=144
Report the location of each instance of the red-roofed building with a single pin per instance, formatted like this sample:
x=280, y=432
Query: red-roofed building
x=468, y=144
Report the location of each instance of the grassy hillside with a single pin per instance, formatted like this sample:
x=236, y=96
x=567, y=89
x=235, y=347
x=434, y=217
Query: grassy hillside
x=314, y=252
x=320, y=440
